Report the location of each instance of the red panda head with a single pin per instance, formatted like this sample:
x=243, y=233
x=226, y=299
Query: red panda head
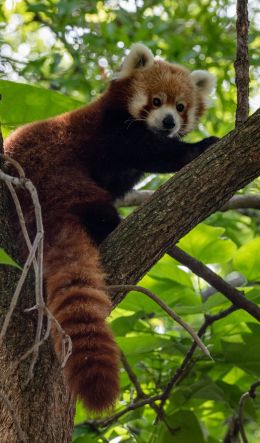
x=168, y=97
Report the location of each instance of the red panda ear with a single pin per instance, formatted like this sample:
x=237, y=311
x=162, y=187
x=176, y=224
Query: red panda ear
x=205, y=81
x=139, y=58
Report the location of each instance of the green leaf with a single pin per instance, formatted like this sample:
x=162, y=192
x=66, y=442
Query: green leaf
x=122, y=325
x=247, y=260
x=23, y=103
x=142, y=343
x=169, y=269
x=206, y=244
x=185, y=428
x=244, y=355
x=5, y=259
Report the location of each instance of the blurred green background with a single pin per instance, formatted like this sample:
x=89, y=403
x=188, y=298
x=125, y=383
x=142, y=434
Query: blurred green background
x=57, y=55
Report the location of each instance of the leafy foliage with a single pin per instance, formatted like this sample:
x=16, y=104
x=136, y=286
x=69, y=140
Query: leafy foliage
x=5, y=259
x=66, y=50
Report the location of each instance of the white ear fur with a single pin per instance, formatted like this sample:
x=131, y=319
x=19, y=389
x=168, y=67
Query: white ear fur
x=205, y=81
x=139, y=58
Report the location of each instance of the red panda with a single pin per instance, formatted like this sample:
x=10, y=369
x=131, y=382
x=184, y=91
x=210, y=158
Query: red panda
x=80, y=162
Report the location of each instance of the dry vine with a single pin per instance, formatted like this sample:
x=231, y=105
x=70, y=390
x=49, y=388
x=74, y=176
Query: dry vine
x=35, y=258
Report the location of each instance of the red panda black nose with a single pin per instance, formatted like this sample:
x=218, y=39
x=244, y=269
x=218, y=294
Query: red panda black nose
x=168, y=122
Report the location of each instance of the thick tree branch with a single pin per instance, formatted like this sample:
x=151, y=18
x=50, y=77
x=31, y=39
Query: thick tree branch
x=195, y=192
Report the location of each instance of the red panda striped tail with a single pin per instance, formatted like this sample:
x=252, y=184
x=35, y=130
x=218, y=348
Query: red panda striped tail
x=73, y=279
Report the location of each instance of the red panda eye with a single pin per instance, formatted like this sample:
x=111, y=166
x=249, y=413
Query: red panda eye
x=180, y=107
x=157, y=102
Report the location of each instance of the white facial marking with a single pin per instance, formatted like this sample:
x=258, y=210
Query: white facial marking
x=190, y=122
x=136, y=104
x=156, y=116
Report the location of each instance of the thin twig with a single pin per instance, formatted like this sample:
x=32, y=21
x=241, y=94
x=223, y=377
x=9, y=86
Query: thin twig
x=35, y=248
x=107, y=421
x=38, y=279
x=21, y=434
x=176, y=378
x=132, y=376
x=251, y=393
x=167, y=309
x=19, y=286
x=242, y=63
x=196, y=266
x=21, y=221
x=182, y=369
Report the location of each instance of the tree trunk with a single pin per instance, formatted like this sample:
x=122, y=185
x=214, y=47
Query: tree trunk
x=195, y=192
x=44, y=408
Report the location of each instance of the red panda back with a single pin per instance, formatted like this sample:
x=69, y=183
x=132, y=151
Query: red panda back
x=74, y=296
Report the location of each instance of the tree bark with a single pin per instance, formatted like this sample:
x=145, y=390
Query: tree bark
x=44, y=409
x=194, y=193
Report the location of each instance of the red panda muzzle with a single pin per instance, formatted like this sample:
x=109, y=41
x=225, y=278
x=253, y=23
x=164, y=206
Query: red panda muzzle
x=73, y=281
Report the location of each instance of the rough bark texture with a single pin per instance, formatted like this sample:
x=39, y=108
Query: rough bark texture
x=43, y=408
x=189, y=197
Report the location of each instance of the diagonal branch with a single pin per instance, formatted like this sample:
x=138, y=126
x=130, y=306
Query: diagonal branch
x=168, y=310
x=235, y=296
x=194, y=193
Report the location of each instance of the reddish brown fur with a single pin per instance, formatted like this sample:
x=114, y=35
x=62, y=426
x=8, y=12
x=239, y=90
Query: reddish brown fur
x=160, y=78
x=73, y=273
x=71, y=261
x=75, y=162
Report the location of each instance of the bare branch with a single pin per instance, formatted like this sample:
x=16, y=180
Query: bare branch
x=132, y=376
x=21, y=434
x=251, y=393
x=34, y=249
x=19, y=286
x=107, y=421
x=140, y=393
x=181, y=371
x=242, y=63
x=235, y=279
x=167, y=309
x=247, y=201
x=217, y=282
x=137, y=198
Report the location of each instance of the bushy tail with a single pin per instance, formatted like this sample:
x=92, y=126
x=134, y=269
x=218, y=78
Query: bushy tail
x=73, y=279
